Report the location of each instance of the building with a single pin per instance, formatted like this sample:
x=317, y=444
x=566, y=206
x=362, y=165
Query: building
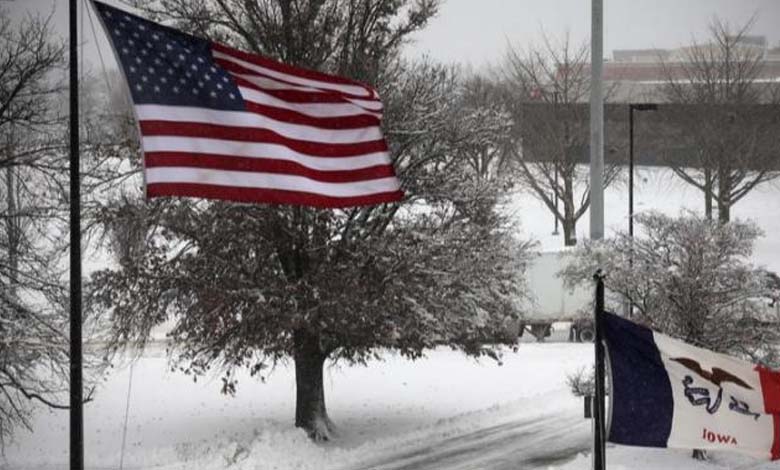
x=638, y=75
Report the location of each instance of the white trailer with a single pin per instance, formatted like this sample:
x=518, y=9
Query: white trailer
x=551, y=301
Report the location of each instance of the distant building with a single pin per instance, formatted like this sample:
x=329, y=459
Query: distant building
x=635, y=75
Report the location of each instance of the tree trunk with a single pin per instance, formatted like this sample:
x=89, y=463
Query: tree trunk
x=724, y=190
x=569, y=221
x=310, y=412
x=724, y=213
x=570, y=231
x=708, y=193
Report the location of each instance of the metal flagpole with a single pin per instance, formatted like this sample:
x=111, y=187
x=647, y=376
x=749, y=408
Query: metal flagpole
x=596, y=121
x=76, y=409
x=599, y=435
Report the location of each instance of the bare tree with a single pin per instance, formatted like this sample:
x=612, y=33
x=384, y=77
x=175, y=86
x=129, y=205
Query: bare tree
x=548, y=87
x=33, y=315
x=728, y=119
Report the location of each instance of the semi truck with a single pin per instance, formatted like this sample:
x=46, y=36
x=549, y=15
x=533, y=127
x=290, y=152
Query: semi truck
x=550, y=301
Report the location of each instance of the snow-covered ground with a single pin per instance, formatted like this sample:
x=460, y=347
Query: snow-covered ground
x=443, y=411
x=380, y=410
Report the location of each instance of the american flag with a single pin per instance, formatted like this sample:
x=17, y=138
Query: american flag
x=220, y=123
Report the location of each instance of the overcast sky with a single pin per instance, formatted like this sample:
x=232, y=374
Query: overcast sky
x=476, y=32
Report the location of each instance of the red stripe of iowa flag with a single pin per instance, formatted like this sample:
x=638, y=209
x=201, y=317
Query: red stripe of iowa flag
x=220, y=123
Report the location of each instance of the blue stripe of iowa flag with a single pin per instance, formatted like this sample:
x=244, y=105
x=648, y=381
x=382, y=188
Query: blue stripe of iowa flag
x=642, y=404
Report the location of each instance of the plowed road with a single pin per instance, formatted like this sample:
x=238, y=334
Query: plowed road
x=528, y=444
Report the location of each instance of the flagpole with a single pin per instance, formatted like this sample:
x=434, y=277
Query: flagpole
x=76, y=399
x=599, y=435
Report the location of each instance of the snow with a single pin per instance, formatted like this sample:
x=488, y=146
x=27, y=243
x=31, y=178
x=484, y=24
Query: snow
x=379, y=409
x=445, y=406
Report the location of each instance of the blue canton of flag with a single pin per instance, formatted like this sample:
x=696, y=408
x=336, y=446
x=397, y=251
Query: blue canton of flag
x=168, y=67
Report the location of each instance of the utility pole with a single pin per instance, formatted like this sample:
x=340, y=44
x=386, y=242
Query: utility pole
x=596, y=121
x=597, y=211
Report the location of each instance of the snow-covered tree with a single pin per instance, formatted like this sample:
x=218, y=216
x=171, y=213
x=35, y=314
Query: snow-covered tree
x=249, y=286
x=690, y=278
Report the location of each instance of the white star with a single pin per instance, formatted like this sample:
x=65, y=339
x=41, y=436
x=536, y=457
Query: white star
x=148, y=44
x=143, y=77
x=200, y=84
x=182, y=81
x=156, y=89
x=200, y=59
x=125, y=50
x=108, y=14
x=155, y=36
x=225, y=79
x=168, y=46
x=232, y=96
x=189, y=75
x=136, y=35
x=138, y=60
x=151, y=70
x=138, y=87
x=219, y=86
x=141, y=27
x=207, y=77
x=194, y=67
x=117, y=32
x=181, y=56
x=157, y=60
x=170, y=71
x=130, y=41
x=132, y=68
x=213, y=95
x=175, y=89
x=213, y=69
x=187, y=50
x=163, y=80
x=195, y=91
x=143, y=51
x=121, y=24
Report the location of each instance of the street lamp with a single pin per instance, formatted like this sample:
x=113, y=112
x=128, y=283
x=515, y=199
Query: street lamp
x=631, y=108
x=555, y=189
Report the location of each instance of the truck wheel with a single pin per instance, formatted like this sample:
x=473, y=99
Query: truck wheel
x=586, y=334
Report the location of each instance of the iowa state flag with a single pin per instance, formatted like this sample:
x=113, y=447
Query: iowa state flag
x=667, y=393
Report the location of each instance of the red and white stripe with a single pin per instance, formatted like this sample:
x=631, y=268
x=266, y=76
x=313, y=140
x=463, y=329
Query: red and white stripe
x=305, y=138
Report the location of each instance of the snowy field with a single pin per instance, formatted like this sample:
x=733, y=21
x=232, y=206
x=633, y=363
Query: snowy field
x=445, y=411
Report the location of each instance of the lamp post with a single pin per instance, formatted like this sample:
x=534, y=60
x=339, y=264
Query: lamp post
x=555, y=189
x=631, y=108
